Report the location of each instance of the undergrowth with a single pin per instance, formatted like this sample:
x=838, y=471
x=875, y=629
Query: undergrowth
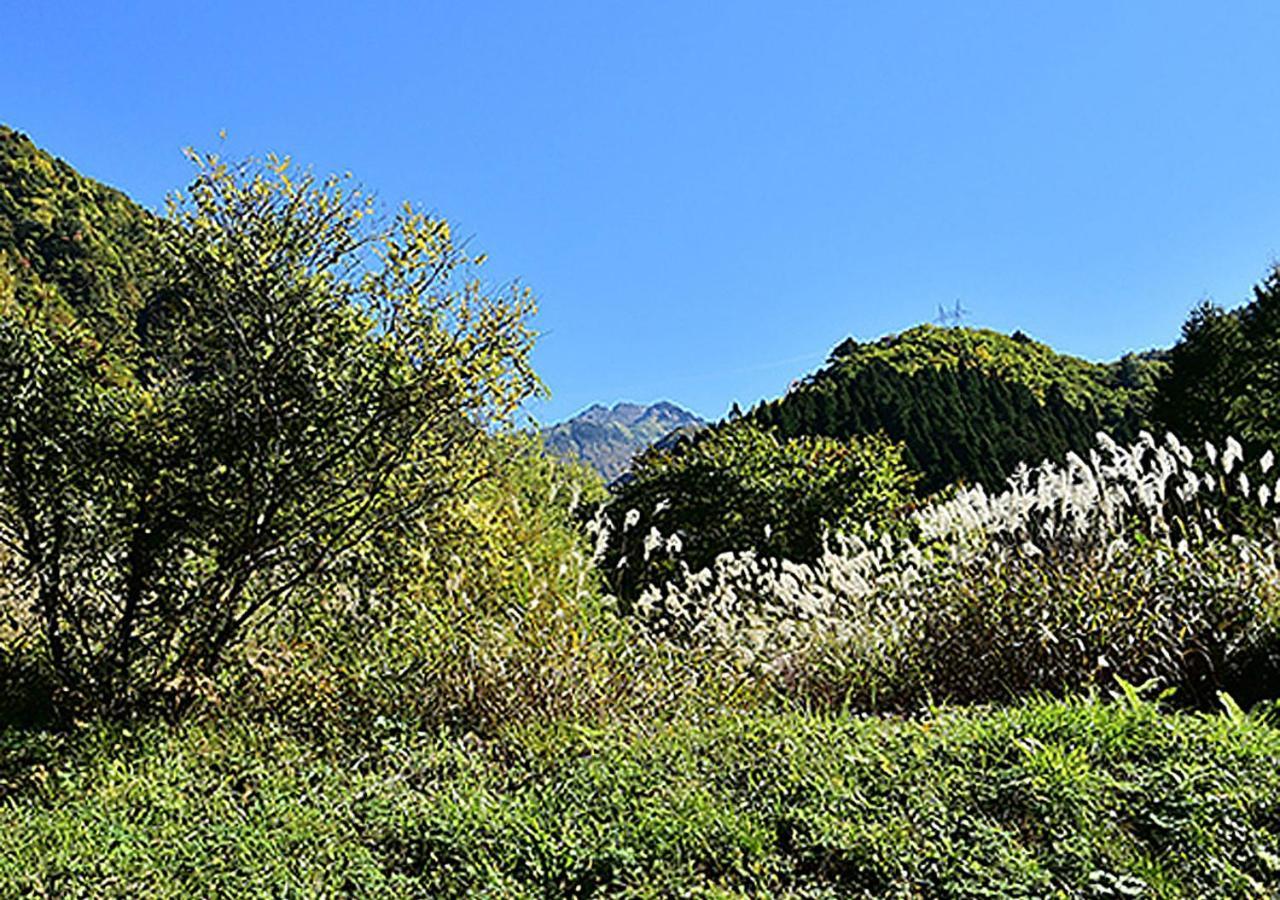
x=1044, y=798
x=479, y=719
x=1140, y=562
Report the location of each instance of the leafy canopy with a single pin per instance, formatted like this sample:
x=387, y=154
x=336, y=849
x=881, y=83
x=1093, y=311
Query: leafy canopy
x=741, y=487
x=969, y=405
x=292, y=378
x=66, y=233
x=1223, y=378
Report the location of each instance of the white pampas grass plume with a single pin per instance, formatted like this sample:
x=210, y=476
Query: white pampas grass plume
x=1233, y=454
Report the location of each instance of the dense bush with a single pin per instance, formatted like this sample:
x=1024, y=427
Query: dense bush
x=1125, y=565
x=494, y=616
x=291, y=381
x=741, y=487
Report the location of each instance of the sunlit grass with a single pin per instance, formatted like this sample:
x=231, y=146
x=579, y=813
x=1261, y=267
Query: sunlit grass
x=1044, y=798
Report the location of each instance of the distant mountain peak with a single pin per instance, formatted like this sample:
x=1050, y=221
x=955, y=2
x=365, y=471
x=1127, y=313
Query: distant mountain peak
x=608, y=438
x=666, y=407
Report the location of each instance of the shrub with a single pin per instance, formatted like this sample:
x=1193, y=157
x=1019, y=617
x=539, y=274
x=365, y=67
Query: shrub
x=493, y=615
x=293, y=381
x=740, y=487
x=1126, y=565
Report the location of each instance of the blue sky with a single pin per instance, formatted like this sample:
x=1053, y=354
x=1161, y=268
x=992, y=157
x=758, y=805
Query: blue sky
x=706, y=197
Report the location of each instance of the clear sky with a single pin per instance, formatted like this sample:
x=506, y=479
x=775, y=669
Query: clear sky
x=706, y=197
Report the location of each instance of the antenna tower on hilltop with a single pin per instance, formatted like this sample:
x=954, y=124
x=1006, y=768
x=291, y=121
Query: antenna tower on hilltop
x=950, y=318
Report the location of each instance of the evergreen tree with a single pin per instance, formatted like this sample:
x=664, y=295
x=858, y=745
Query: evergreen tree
x=1200, y=395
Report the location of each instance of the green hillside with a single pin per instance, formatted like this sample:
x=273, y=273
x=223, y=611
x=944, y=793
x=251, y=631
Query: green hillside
x=65, y=233
x=969, y=404
x=1014, y=358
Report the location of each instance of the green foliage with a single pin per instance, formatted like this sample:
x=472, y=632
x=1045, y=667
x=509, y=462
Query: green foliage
x=1045, y=799
x=266, y=425
x=492, y=614
x=1016, y=359
x=740, y=487
x=293, y=382
x=968, y=405
x=1222, y=377
x=1125, y=566
x=69, y=235
x=1084, y=798
x=955, y=425
x=1138, y=375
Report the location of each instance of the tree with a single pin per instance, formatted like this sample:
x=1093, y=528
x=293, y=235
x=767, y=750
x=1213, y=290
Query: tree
x=740, y=487
x=955, y=422
x=293, y=379
x=1257, y=408
x=1197, y=395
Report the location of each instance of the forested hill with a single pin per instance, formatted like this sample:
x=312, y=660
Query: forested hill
x=969, y=404
x=65, y=235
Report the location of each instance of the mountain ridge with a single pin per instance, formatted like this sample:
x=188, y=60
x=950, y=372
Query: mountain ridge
x=608, y=438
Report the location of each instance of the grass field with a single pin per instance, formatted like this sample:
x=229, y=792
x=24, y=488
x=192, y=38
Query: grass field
x=1083, y=797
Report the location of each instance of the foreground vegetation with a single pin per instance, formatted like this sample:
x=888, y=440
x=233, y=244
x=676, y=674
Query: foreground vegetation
x=1045, y=798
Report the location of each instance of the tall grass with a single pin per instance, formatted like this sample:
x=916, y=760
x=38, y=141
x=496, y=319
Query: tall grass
x=1144, y=562
x=491, y=617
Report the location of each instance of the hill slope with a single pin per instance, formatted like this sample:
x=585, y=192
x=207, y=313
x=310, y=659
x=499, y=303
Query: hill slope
x=969, y=404
x=1115, y=389
x=61, y=232
x=607, y=439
